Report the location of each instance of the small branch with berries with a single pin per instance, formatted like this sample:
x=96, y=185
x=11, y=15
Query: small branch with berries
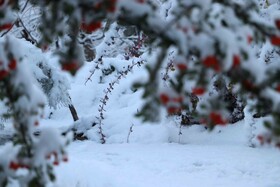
x=134, y=50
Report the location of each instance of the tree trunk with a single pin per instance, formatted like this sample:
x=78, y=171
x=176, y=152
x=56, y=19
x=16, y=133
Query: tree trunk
x=73, y=112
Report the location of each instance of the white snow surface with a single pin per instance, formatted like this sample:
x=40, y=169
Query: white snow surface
x=169, y=165
x=156, y=155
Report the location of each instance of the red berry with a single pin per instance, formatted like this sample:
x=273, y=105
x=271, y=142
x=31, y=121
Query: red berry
x=13, y=64
x=275, y=40
x=93, y=26
x=249, y=39
x=56, y=163
x=36, y=123
x=6, y=26
x=65, y=159
x=111, y=9
x=140, y=1
x=14, y=165
x=3, y=74
x=198, y=91
x=173, y=110
x=217, y=119
x=178, y=99
x=112, y=6
x=236, y=61
x=2, y=2
x=211, y=62
x=278, y=88
x=182, y=67
x=44, y=48
x=164, y=98
x=72, y=66
x=261, y=139
x=277, y=23
x=248, y=85
x=24, y=166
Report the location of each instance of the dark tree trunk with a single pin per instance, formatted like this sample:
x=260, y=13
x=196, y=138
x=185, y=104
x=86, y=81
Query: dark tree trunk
x=73, y=112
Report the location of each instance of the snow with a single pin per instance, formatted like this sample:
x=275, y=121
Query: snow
x=156, y=155
x=169, y=165
x=145, y=154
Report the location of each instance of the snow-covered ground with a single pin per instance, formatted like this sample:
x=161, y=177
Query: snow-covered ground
x=169, y=165
x=156, y=155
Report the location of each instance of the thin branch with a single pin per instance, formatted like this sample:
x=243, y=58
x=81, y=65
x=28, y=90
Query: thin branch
x=6, y=32
x=107, y=91
x=25, y=5
x=98, y=62
x=33, y=39
x=129, y=132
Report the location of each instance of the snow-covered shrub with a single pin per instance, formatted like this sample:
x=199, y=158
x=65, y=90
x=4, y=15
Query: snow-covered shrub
x=54, y=85
x=210, y=38
x=27, y=153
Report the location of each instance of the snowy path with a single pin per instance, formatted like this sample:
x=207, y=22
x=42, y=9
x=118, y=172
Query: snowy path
x=169, y=165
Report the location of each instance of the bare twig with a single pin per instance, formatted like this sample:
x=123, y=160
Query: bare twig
x=7, y=31
x=98, y=63
x=29, y=34
x=170, y=65
x=25, y=5
x=180, y=133
x=107, y=91
x=129, y=132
